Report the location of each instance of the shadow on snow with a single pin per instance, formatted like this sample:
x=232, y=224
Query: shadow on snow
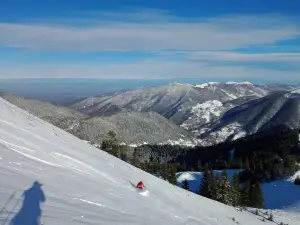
x=30, y=212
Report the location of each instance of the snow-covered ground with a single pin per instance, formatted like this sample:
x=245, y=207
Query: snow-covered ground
x=180, y=141
x=84, y=185
x=282, y=194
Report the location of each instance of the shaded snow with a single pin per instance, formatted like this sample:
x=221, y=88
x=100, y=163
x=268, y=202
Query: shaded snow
x=282, y=194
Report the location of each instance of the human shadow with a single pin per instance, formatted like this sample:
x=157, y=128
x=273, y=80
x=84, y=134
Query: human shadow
x=30, y=212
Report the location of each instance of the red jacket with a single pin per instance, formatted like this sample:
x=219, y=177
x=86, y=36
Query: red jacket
x=140, y=185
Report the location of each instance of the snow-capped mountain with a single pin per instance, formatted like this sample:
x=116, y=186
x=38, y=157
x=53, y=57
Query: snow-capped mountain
x=273, y=112
x=84, y=185
x=176, y=101
x=131, y=128
x=204, y=114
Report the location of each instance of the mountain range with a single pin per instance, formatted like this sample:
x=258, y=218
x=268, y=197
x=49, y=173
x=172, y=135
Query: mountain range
x=274, y=112
x=51, y=176
x=200, y=109
x=131, y=128
x=173, y=101
x=183, y=114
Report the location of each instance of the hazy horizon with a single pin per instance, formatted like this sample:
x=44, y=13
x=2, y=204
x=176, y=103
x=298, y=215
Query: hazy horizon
x=66, y=91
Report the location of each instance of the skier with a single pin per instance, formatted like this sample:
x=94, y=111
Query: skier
x=140, y=185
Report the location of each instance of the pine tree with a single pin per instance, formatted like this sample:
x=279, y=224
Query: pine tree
x=110, y=144
x=186, y=185
x=215, y=187
x=224, y=175
x=163, y=171
x=172, y=174
x=122, y=153
x=244, y=198
x=199, y=165
x=184, y=166
x=205, y=188
x=247, y=164
x=255, y=195
x=225, y=192
x=236, y=189
x=135, y=159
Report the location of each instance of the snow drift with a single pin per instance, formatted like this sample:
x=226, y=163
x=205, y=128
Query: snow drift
x=84, y=185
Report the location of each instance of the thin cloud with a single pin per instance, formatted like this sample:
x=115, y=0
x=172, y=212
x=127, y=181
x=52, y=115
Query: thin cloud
x=179, y=47
x=224, y=56
x=213, y=34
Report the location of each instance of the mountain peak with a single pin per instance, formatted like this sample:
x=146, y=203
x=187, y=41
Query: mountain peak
x=204, y=85
x=296, y=91
x=212, y=84
x=175, y=83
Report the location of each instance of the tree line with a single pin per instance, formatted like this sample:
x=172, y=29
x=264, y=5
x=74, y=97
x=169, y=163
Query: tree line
x=219, y=188
x=262, y=158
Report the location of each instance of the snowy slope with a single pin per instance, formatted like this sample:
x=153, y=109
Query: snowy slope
x=83, y=185
x=286, y=192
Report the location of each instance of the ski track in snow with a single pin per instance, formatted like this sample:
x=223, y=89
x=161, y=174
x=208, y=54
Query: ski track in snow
x=3, y=132
x=10, y=145
x=13, y=147
x=72, y=163
x=35, y=158
x=101, y=205
x=90, y=202
x=26, y=131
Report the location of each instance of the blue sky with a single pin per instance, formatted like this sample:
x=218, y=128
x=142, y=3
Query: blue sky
x=215, y=40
